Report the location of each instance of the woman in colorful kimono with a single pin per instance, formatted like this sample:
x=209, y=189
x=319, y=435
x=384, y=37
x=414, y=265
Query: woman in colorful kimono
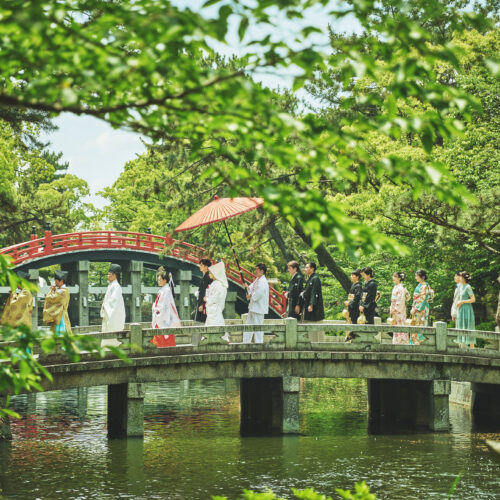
x=216, y=297
x=400, y=296
x=421, y=305
x=55, y=308
x=465, y=316
x=164, y=312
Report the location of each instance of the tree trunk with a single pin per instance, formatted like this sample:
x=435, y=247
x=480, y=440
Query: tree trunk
x=324, y=258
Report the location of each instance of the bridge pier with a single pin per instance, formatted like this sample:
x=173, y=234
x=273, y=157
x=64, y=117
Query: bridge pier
x=409, y=403
x=126, y=410
x=486, y=404
x=269, y=405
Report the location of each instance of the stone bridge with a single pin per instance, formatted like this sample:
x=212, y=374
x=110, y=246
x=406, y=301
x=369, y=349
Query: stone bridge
x=134, y=252
x=407, y=384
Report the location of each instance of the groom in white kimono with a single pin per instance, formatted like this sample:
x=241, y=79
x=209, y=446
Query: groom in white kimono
x=113, y=307
x=258, y=295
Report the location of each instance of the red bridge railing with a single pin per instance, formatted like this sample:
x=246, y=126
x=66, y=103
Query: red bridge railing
x=51, y=244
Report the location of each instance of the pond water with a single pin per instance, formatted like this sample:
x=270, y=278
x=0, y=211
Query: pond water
x=192, y=448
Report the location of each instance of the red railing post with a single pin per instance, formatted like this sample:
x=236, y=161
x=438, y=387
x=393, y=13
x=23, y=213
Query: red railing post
x=48, y=241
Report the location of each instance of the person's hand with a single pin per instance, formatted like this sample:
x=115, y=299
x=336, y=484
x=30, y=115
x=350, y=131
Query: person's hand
x=249, y=296
x=459, y=304
x=361, y=308
x=310, y=308
x=297, y=309
x=53, y=288
x=201, y=307
x=204, y=299
x=346, y=302
x=245, y=285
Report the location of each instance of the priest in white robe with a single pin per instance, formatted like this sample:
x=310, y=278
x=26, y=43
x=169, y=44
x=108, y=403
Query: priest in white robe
x=258, y=295
x=216, y=297
x=164, y=312
x=113, y=306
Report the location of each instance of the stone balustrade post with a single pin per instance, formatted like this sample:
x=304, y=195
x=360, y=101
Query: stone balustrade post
x=441, y=336
x=136, y=337
x=291, y=333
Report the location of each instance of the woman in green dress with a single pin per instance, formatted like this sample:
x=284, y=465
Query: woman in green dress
x=465, y=316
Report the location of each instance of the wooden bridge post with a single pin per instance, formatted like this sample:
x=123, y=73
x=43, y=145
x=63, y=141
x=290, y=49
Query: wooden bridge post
x=184, y=288
x=439, y=408
x=126, y=410
x=441, y=336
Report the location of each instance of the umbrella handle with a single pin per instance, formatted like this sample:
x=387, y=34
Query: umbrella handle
x=234, y=252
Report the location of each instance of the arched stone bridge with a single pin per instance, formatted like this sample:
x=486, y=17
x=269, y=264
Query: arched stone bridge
x=133, y=251
x=405, y=383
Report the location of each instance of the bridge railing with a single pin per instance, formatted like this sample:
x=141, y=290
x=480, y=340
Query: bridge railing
x=98, y=240
x=283, y=335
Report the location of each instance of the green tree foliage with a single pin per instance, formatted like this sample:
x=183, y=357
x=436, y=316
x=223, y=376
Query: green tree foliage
x=34, y=187
x=141, y=65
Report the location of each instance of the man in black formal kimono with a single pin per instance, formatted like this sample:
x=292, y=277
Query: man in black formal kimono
x=353, y=300
x=201, y=312
x=294, y=290
x=312, y=297
x=368, y=304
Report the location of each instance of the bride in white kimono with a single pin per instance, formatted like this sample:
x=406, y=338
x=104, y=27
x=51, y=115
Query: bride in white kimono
x=164, y=312
x=215, y=297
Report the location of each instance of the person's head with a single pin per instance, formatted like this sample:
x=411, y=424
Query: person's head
x=367, y=273
x=218, y=272
x=310, y=268
x=161, y=276
x=420, y=275
x=355, y=275
x=293, y=267
x=204, y=265
x=457, y=277
x=114, y=272
x=398, y=277
x=260, y=270
x=465, y=277
x=60, y=278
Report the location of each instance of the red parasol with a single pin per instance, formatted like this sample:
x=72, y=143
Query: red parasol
x=218, y=211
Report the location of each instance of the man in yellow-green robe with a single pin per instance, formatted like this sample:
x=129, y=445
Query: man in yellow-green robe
x=19, y=306
x=55, y=308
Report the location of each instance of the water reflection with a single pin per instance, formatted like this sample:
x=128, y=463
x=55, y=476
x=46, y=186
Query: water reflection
x=192, y=448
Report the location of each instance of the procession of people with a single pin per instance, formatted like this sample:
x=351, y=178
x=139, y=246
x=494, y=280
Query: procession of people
x=304, y=303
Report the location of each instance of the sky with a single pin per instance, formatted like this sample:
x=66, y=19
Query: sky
x=97, y=153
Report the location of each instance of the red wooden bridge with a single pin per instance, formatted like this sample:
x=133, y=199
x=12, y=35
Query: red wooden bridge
x=60, y=244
